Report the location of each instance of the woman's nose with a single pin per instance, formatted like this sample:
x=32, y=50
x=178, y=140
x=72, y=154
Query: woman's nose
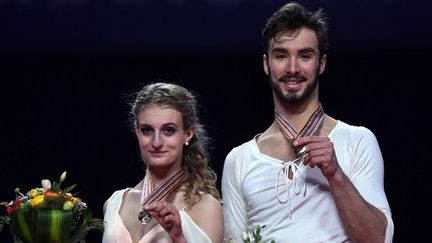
x=157, y=141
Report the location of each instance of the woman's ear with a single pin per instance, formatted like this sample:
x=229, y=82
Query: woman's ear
x=137, y=131
x=190, y=132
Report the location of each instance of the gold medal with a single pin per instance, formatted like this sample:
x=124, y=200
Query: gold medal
x=144, y=217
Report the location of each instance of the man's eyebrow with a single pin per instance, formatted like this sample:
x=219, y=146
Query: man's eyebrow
x=303, y=50
x=307, y=50
x=278, y=49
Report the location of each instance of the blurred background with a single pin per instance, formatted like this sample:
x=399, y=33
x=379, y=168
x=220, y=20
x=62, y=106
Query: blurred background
x=68, y=67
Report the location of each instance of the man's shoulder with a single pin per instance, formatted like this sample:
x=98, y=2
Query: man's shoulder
x=241, y=151
x=244, y=146
x=352, y=132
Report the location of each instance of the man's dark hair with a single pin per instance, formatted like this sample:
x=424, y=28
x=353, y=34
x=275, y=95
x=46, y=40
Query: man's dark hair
x=291, y=18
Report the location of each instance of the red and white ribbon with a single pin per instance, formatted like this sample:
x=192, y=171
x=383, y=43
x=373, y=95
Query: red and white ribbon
x=310, y=128
x=168, y=184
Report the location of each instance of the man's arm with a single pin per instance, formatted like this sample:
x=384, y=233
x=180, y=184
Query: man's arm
x=363, y=222
x=234, y=208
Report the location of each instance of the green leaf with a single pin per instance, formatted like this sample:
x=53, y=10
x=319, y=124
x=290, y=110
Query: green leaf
x=4, y=220
x=55, y=187
x=69, y=188
x=21, y=225
x=42, y=225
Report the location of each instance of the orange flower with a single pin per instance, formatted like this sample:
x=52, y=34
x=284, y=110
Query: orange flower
x=51, y=194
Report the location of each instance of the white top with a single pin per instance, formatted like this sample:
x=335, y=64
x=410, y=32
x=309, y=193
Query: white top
x=249, y=193
x=116, y=232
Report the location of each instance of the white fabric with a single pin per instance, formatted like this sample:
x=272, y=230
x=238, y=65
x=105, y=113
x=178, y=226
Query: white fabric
x=249, y=194
x=116, y=232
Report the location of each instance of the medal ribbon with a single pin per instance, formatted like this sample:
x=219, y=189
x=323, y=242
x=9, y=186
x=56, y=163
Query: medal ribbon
x=167, y=186
x=310, y=128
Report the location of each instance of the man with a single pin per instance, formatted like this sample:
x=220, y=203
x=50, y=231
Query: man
x=308, y=177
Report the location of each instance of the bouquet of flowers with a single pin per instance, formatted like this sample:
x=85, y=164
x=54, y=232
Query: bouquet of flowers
x=49, y=214
x=255, y=237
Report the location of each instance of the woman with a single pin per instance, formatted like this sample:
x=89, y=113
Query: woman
x=176, y=201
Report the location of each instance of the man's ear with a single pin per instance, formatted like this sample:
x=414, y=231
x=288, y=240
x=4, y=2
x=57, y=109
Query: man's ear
x=265, y=64
x=322, y=63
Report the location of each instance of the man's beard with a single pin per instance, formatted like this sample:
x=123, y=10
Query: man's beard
x=292, y=97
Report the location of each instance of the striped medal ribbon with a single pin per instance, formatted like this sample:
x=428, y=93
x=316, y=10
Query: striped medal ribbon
x=310, y=128
x=292, y=178
x=166, y=187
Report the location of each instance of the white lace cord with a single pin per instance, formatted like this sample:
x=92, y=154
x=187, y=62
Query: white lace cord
x=296, y=179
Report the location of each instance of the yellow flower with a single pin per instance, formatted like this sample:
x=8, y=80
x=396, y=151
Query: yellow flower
x=68, y=205
x=37, y=200
x=34, y=193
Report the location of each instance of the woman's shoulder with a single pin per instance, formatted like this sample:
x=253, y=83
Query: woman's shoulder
x=207, y=201
x=115, y=198
x=207, y=214
x=118, y=193
x=208, y=207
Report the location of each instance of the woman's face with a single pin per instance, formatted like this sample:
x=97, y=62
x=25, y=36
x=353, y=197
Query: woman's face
x=161, y=136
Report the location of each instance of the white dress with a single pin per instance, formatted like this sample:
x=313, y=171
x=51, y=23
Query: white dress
x=309, y=214
x=116, y=232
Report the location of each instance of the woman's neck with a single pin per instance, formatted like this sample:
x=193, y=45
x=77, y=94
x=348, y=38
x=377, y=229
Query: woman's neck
x=158, y=174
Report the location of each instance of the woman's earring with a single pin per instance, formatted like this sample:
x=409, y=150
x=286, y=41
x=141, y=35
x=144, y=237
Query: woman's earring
x=187, y=143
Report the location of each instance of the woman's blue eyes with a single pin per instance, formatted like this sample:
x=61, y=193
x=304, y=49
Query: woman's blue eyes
x=167, y=130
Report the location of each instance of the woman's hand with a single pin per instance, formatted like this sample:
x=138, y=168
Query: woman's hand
x=169, y=218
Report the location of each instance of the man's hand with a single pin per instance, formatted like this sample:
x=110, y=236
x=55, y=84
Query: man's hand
x=319, y=152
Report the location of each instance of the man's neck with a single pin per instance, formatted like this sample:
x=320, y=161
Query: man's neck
x=297, y=114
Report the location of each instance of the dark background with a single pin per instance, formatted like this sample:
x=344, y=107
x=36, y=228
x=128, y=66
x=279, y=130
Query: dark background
x=68, y=66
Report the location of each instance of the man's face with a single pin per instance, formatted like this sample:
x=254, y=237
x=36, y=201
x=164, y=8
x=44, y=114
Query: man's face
x=293, y=65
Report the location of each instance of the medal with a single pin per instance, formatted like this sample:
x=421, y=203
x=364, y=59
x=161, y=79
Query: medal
x=144, y=217
x=310, y=128
x=166, y=186
x=300, y=152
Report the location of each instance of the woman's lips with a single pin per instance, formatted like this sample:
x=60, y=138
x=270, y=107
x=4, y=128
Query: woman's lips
x=157, y=153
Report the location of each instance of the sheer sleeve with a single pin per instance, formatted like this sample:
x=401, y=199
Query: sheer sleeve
x=234, y=207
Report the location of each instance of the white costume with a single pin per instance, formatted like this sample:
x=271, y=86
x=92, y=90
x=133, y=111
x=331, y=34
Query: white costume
x=116, y=232
x=309, y=213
